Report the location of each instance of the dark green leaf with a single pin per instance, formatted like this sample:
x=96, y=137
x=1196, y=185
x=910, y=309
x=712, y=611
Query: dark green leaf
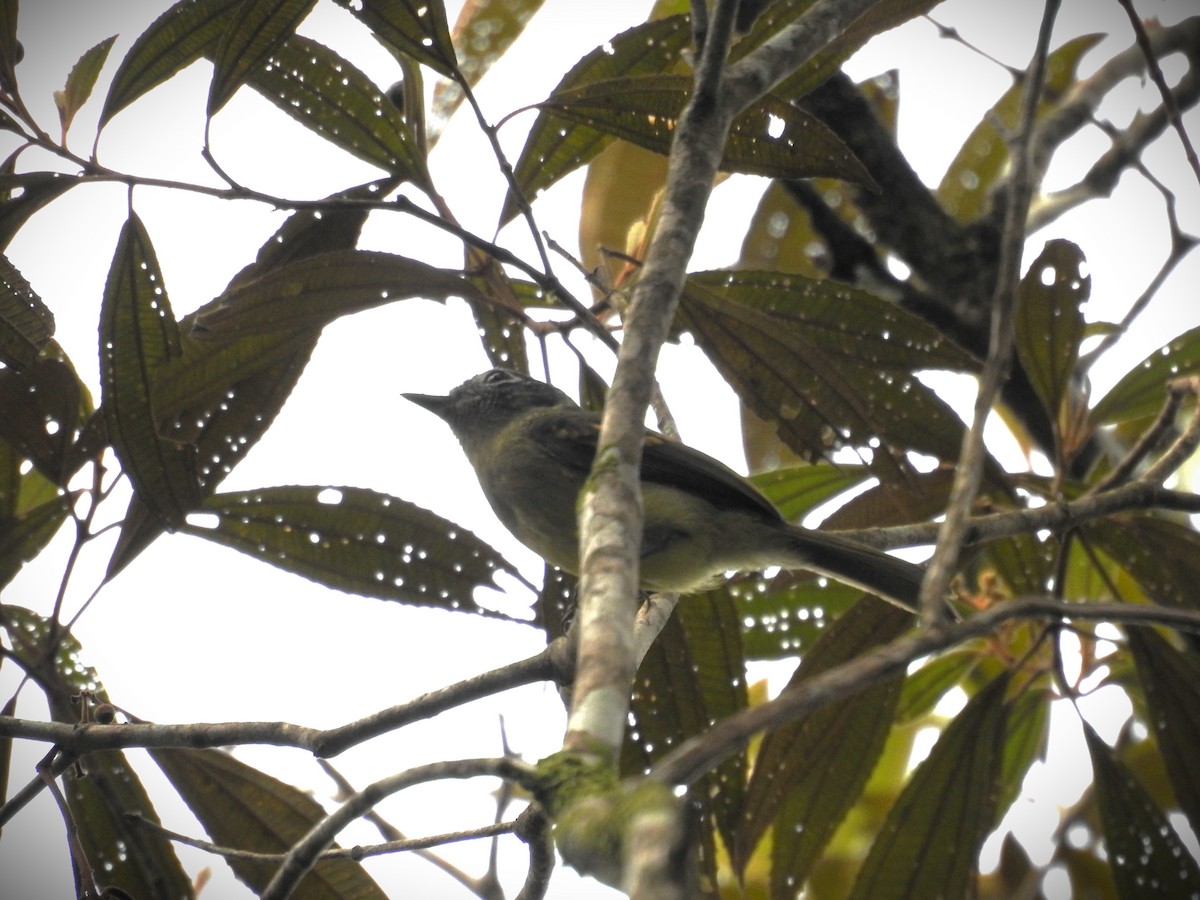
x=929, y=844
x=412, y=27
x=175, y=40
x=1024, y=742
x=23, y=535
x=554, y=146
x=41, y=413
x=105, y=797
x=1162, y=556
x=1142, y=392
x=830, y=364
x=926, y=686
x=771, y=138
x=80, y=82
x=1170, y=681
x=485, y=29
x=1049, y=322
x=784, y=615
x=255, y=31
x=808, y=773
x=138, y=337
x=330, y=96
x=241, y=807
x=25, y=322
x=1146, y=856
x=309, y=294
x=967, y=186
x=497, y=313
x=10, y=48
x=356, y=540
x=25, y=194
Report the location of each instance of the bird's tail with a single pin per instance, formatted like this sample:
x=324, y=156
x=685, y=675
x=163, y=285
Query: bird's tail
x=893, y=579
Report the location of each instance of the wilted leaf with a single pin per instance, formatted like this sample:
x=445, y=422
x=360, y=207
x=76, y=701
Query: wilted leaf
x=25, y=322
x=1170, y=682
x=555, y=147
x=929, y=844
x=80, y=82
x=356, y=540
x=1049, y=324
x=1146, y=856
x=808, y=773
x=254, y=32
x=174, y=41
x=107, y=798
x=241, y=807
x=1143, y=390
x=412, y=27
x=138, y=337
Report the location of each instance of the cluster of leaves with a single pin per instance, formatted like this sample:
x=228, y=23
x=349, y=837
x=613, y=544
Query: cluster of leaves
x=825, y=363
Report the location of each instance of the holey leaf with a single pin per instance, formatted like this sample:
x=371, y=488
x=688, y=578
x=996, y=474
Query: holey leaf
x=416, y=28
x=26, y=324
x=771, y=138
x=138, y=336
x=356, y=540
x=254, y=32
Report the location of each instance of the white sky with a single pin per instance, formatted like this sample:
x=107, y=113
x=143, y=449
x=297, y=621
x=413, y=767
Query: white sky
x=234, y=639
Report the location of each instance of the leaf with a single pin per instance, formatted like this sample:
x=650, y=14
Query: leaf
x=415, y=28
x=241, y=807
x=1170, y=682
x=309, y=294
x=23, y=535
x=1146, y=856
x=929, y=843
x=356, y=540
x=484, y=30
x=555, y=147
x=174, y=41
x=828, y=363
x=798, y=490
x=967, y=186
x=138, y=337
x=254, y=32
x=928, y=684
x=331, y=97
x=80, y=82
x=26, y=324
x=808, y=773
x=784, y=615
x=10, y=48
x=1163, y=557
x=1142, y=391
x=771, y=138
x=106, y=799
x=1049, y=326
x=25, y=194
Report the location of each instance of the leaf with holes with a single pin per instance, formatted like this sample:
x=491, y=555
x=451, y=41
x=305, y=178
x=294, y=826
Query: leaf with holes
x=1143, y=390
x=175, y=40
x=417, y=29
x=138, y=337
x=23, y=195
x=356, y=540
x=254, y=32
x=554, y=146
x=26, y=324
x=1146, y=855
x=241, y=807
x=41, y=413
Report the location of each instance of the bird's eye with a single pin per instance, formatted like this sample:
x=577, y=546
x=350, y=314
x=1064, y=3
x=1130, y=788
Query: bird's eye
x=496, y=376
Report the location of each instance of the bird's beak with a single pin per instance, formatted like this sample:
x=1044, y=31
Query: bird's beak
x=432, y=402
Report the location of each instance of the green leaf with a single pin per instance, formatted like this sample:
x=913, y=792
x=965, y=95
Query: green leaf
x=485, y=29
x=175, y=40
x=41, y=411
x=241, y=807
x=356, y=540
x=1170, y=681
x=23, y=195
x=23, y=535
x=1143, y=390
x=554, y=146
x=798, y=490
x=1162, y=556
x=1049, y=324
x=330, y=96
x=256, y=30
x=413, y=27
x=26, y=324
x=929, y=844
x=138, y=337
x=80, y=82
x=928, y=684
x=784, y=615
x=808, y=773
x=104, y=795
x=1146, y=856
x=10, y=48
x=771, y=138
x=967, y=186
x=309, y=294
x=830, y=364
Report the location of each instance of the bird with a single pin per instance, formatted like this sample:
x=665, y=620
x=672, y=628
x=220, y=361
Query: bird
x=532, y=448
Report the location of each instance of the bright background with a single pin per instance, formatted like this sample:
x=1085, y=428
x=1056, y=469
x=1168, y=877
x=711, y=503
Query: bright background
x=195, y=632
